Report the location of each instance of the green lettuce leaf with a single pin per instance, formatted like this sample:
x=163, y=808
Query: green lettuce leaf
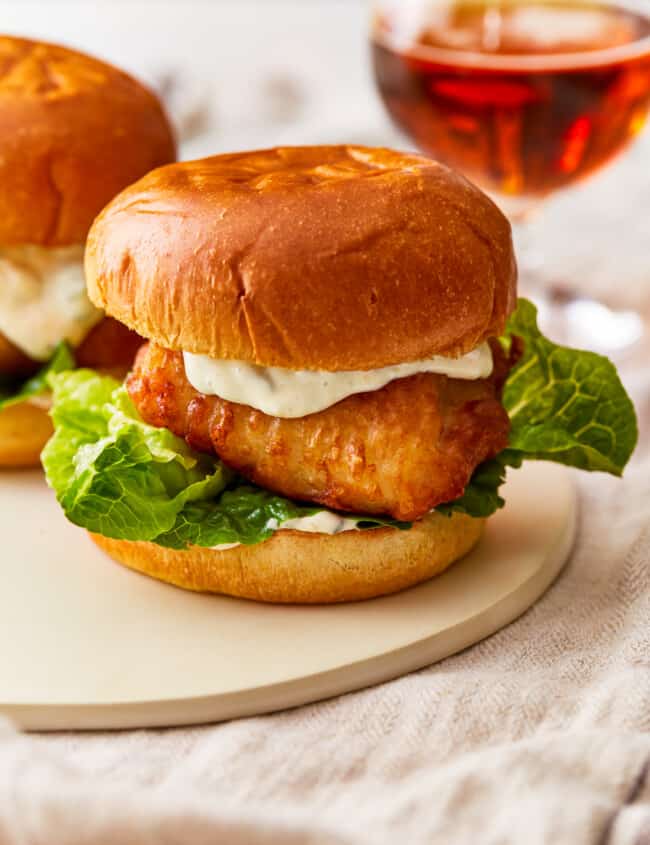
x=114, y=474
x=481, y=496
x=117, y=476
x=12, y=392
x=565, y=405
x=246, y=514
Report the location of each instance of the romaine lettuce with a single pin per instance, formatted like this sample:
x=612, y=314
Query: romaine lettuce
x=565, y=405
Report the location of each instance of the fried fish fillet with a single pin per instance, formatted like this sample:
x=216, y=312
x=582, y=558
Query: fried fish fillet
x=400, y=450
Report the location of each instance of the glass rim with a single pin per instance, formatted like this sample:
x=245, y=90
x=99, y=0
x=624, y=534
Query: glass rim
x=566, y=60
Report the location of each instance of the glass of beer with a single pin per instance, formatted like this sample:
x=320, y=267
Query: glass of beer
x=525, y=97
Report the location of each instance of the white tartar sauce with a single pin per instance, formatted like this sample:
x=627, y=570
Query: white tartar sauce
x=296, y=393
x=323, y=522
x=43, y=298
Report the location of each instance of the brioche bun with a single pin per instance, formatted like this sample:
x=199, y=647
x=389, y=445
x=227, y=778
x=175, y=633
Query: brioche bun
x=327, y=258
x=295, y=567
x=24, y=430
x=74, y=132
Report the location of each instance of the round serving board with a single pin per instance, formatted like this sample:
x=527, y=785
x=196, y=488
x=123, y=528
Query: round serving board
x=88, y=644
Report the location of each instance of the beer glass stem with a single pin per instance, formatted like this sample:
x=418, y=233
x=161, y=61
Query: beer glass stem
x=565, y=314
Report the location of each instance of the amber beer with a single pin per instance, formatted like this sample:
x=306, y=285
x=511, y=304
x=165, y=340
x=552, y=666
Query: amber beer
x=523, y=97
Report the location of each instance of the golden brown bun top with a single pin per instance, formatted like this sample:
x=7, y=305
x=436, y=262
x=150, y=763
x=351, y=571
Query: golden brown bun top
x=73, y=133
x=331, y=258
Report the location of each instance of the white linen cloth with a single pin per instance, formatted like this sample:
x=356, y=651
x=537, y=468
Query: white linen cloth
x=540, y=734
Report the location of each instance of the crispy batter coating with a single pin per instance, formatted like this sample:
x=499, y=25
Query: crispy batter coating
x=400, y=450
x=109, y=346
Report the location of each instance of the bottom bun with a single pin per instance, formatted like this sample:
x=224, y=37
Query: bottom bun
x=24, y=430
x=301, y=568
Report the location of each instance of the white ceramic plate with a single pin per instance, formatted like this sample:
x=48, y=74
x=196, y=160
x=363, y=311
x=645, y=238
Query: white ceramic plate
x=88, y=644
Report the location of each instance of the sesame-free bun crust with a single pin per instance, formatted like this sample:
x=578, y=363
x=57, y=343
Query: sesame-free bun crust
x=330, y=258
x=74, y=132
x=296, y=567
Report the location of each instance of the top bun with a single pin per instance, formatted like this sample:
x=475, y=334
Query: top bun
x=73, y=132
x=328, y=258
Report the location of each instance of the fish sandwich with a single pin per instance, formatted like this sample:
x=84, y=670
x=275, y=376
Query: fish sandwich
x=319, y=413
